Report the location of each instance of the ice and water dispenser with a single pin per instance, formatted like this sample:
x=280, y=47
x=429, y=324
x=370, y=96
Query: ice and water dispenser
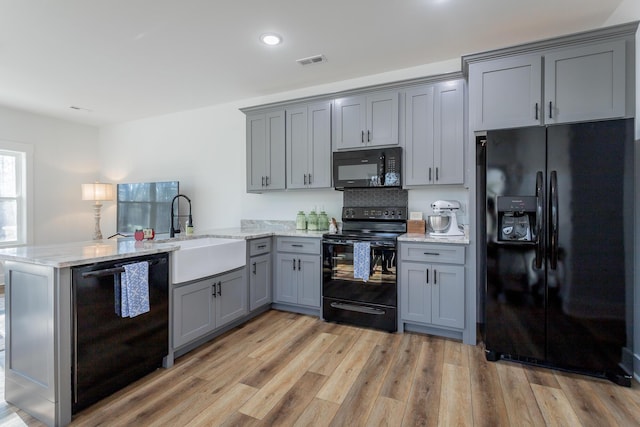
x=516, y=218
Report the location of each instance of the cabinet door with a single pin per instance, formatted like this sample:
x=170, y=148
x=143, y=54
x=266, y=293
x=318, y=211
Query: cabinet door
x=192, y=311
x=297, y=148
x=309, y=280
x=505, y=93
x=418, y=159
x=382, y=119
x=448, y=296
x=350, y=120
x=415, y=292
x=231, y=298
x=319, y=131
x=286, y=278
x=586, y=83
x=275, y=152
x=448, y=132
x=256, y=152
x=259, y=281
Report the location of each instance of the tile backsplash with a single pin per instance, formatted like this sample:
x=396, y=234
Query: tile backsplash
x=375, y=197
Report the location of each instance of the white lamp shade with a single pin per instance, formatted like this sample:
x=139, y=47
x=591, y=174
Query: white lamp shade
x=97, y=191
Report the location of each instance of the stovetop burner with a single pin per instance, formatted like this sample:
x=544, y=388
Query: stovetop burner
x=371, y=224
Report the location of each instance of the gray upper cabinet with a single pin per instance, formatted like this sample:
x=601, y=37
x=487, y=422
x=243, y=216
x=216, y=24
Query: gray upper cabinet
x=506, y=93
x=266, y=151
x=367, y=120
x=580, y=84
x=308, y=136
x=585, y=83
x=434, y=134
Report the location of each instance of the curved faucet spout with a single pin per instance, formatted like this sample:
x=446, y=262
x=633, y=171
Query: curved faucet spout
x=173, y=231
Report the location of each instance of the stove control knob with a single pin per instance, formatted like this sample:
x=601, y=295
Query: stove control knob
x=386, y=213
x=393, y=213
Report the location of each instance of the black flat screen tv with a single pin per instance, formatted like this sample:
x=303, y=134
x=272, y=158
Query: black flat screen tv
x=145, y=205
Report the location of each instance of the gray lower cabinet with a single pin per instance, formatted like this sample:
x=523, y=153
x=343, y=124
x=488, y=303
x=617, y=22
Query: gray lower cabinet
x=308, y=137
x=434, y=134
x=367, y=120
x=298, y=271
x=266, y=151
x=204, y=305
x=583, y=83
x=432, y=285
x=259, y=272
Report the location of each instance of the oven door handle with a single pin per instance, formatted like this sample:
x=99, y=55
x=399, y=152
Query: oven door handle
x=357, y=308
x=351, y=242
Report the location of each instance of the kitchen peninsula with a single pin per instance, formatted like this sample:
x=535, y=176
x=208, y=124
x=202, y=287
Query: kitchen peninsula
x=40, y=317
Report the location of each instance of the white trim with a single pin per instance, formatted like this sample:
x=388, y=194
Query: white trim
x=27, y=185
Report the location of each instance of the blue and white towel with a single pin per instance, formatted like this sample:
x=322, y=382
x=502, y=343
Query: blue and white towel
x=135, y=289
x=361, y=260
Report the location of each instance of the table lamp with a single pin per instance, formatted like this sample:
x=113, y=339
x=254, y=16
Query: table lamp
x=97, y=192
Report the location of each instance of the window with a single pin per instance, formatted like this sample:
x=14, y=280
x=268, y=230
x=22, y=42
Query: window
x=14, y=162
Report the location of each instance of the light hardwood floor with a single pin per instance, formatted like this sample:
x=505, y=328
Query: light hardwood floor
x=286, y=369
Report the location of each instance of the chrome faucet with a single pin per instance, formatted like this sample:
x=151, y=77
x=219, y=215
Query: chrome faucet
x=173, y=231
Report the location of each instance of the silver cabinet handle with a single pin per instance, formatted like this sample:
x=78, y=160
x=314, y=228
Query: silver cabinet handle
x=266, y=180
x=435, y=277
x=431, y=253
x=299, y=264
x=263, y=181
x=305, y=179
x=368, y=136
x=437, y=174
x=429, y=174
x=309, y=179
x=254, y=268
x=536, y=111
x=214, y=291
x=297, y=245
x=220, y=289
x=550, y=110
x=294, y=265
x=362, y=137
x=427, y=276
x=262, y=246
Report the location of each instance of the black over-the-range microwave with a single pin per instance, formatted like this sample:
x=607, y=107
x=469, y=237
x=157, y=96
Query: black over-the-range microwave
x=380, y=167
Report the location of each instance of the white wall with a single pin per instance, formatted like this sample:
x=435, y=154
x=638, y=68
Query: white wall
x=65, y=155
x=205, y=150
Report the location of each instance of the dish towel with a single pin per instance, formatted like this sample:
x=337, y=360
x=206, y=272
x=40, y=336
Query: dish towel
x=135, y=289
x=361, y=260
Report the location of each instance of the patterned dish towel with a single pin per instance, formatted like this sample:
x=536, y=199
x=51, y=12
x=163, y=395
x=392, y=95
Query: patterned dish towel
x=361, y=260
x=135, y=289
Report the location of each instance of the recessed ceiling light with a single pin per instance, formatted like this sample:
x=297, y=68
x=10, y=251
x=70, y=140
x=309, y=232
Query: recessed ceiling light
x=271, y=39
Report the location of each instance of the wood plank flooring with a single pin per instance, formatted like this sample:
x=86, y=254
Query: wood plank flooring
x=284, y=369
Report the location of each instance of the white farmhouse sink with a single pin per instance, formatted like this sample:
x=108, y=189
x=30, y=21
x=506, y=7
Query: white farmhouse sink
x=205, y=257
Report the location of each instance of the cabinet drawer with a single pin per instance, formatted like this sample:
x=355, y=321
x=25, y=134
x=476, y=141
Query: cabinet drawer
x=259, y=246
x=449, y=254
x=298, y=245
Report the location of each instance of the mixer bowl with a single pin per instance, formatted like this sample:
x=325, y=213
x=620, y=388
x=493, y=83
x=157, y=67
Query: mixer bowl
x=438, y=223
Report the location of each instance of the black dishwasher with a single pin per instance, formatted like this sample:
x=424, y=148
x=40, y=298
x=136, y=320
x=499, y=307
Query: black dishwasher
x=111, y=351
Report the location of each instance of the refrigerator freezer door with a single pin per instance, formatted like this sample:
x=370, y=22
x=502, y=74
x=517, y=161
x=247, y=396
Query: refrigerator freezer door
x=586, y=286
x=515, y=293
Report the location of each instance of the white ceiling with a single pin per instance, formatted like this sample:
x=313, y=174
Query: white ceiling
x=129, y=59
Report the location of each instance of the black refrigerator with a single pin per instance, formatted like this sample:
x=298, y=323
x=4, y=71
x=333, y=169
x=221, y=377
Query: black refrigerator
x=558, y=223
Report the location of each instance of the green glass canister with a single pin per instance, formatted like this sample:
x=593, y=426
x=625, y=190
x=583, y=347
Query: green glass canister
x=301, y=221
x=312, y=221
x=323, y=221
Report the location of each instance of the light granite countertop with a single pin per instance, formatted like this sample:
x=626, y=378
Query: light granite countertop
x=79, y=253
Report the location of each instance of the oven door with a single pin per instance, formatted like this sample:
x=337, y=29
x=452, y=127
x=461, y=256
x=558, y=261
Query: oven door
x=347, y=299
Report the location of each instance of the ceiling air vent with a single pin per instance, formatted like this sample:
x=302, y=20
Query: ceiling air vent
x=317, y=59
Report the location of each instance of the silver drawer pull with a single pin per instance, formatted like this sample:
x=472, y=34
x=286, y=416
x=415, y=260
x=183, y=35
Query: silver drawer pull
x=262, y=246
x=358, y=308
x=431, y=253
x=296, y=245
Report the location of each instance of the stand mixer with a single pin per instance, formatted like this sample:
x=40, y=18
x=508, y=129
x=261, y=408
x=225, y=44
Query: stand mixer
x=447, y=208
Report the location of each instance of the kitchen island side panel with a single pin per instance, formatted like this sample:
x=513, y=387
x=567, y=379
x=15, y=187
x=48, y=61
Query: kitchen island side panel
x=38, y=348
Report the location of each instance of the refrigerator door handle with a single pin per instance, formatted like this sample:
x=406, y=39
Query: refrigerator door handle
x=539, y=218
x=553, y=230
